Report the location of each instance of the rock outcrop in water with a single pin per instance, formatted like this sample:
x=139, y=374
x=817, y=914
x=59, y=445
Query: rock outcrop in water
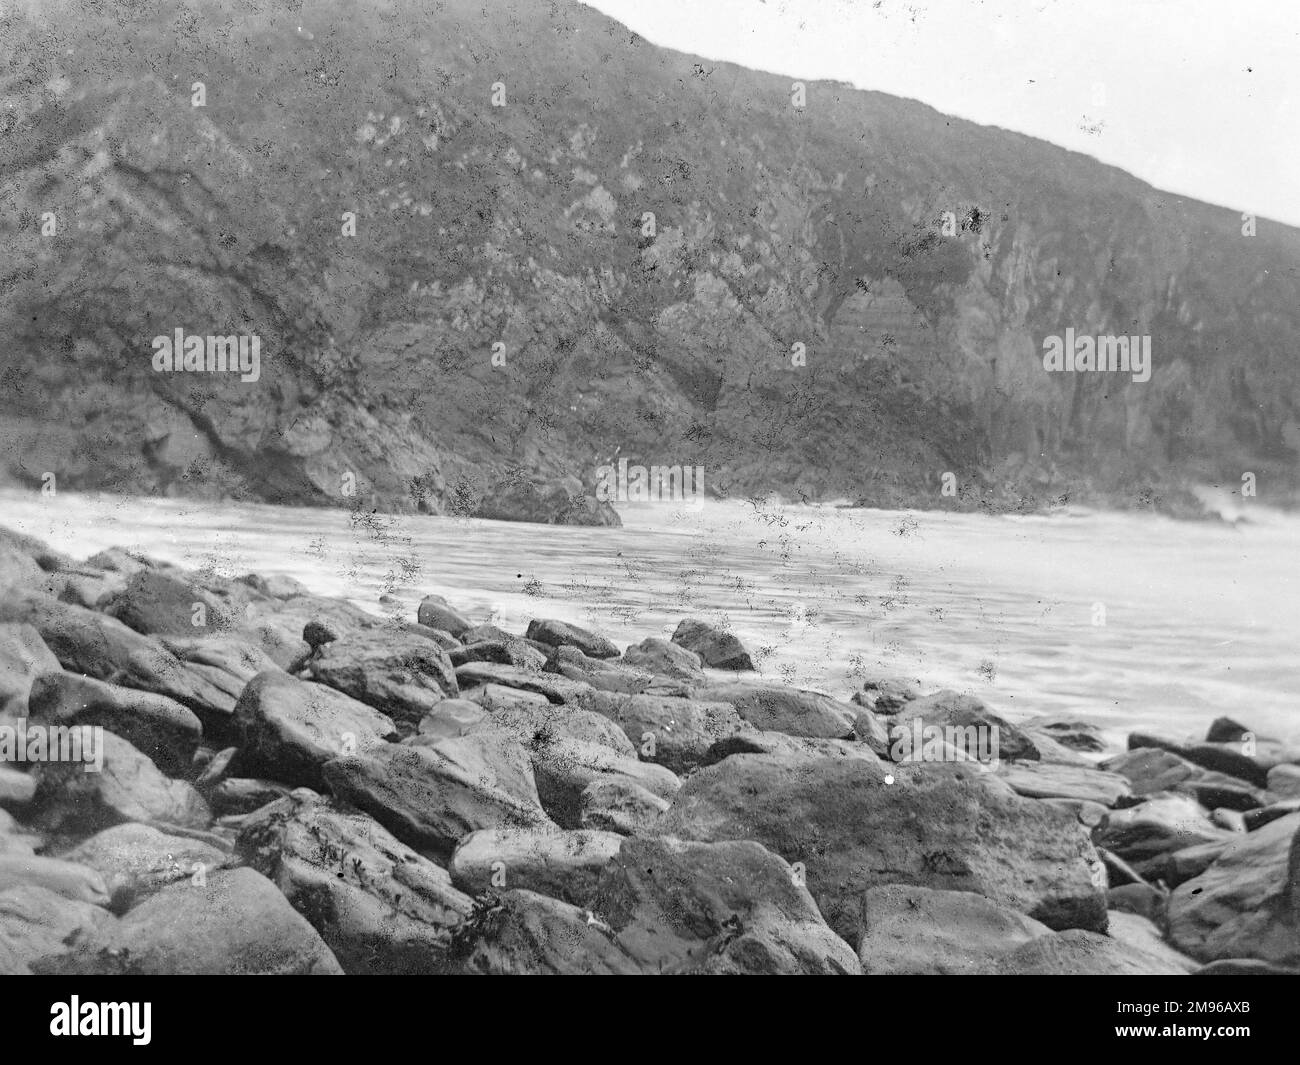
x=364, y=805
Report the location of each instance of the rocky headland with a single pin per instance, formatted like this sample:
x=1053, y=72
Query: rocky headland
x=661, y=260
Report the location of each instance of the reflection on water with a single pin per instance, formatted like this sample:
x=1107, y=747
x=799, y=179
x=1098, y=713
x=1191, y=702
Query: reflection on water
x=1134, y=621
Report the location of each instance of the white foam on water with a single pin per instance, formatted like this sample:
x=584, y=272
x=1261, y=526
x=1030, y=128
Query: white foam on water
x=1201, y=619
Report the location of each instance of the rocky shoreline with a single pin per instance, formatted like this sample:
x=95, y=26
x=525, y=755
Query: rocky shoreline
x=288, y=784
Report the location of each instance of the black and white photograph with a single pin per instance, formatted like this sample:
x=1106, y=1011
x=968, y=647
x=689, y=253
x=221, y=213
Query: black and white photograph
x=650, y=487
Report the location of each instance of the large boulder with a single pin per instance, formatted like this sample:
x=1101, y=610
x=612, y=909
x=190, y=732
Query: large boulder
x=82, y=640
x=607, y=674
x=1144, y=935
x=562, y=634
x=535, y=725
x=401, y=675
x=37, y=925
x=444, y=640
x=780, y=709
x=1247, y=902
x=493, y=697
x=435, y=612
x=564, y=767
x=1230, y=758
x=918, y=931
x=491, y=754
x=48, y=561
x=1070, y=732
x=676, y=733
x=23, y=657
x=101, y=647
x=1050, y=751
x=242, y=795
x=1256, y=819
x=380, y=907
x=887, y=695
x=226, y=662
x=161, y=727
x=69, y=879
x=1049, y=780
x=451, y=717
x=715, y=647
x=870, y=730
x=1192, y=861
x=1145, y=835
x=19, y=569
x=288, y=728
x=15, y=839
x=74, y=797
x=1244, y=967
x=275, y=585
x=522, y=933
x=430, y=800
x=277, y=624
x=762, y=741
x=1221, y=791
x=665, y=659
x=619, y=804
x=956, y=715
x=1137, y=898
x=552, y=686
x=137, y=860
x=488, y=633
x=1078, y=952
x=36, y=549
x=84, y=586
x=213, y=767
x=563, y=864
x=296, y=611
x=570, y=748
x=156, y=669
x=1284, y=781
x=508, y=652
x=1152, y=770
x=157, y=602
x=680, y=906
x=857, y=824
x=17, y=788
x=235, y=923
x=120, y=561
x=1226, y=730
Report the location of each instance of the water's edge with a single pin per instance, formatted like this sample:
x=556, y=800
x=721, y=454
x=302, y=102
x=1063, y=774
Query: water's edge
x=1131, y=622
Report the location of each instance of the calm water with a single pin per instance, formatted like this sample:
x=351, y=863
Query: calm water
x=1199, y=619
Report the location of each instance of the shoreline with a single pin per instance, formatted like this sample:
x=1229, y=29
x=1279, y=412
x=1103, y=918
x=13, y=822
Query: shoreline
x=912, y=604
x=1212, y=500
x=529, y=776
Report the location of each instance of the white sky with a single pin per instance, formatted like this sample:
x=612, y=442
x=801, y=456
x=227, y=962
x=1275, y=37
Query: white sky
x=1201, y=97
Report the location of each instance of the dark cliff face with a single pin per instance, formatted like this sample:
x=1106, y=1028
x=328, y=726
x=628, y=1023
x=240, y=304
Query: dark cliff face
x=523, y=231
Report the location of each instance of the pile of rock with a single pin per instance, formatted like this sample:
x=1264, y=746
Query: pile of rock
x=290, y=785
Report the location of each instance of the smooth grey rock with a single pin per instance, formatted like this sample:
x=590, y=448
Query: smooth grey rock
x=858, y=824
x=236, y=924
x=717, y=648
x=564, y=864
x=910, y=930
x=289, y=728
x=380, y=907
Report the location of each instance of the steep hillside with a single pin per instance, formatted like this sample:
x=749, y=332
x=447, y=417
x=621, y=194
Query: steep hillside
x=522, y=230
